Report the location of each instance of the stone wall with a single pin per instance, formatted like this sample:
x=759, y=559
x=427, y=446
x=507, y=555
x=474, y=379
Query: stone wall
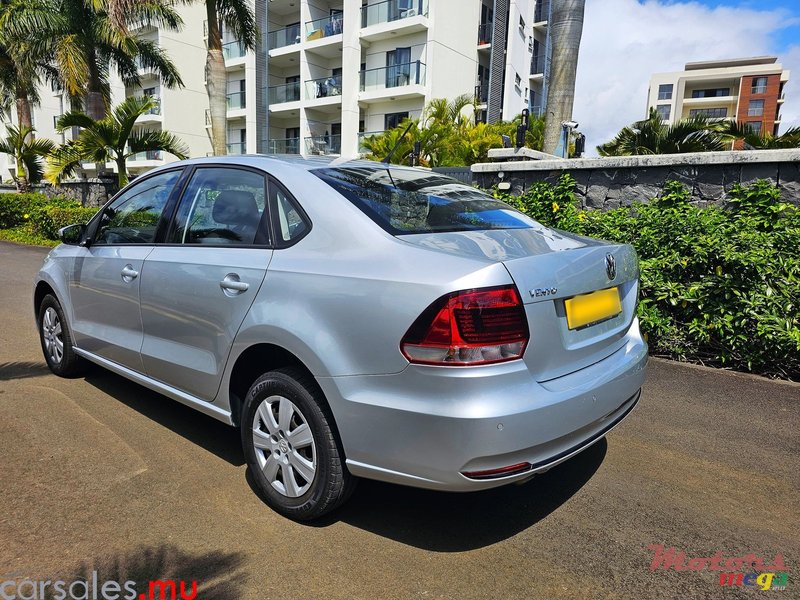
x=604, y=183
x=89, y=192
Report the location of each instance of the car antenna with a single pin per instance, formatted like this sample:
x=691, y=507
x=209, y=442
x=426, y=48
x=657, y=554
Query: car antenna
x=397, y=145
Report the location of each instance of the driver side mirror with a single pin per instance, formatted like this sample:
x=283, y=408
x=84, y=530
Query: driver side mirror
x=72, y=234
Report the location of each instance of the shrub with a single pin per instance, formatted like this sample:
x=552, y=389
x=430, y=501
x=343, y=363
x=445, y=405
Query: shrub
x=719, y=285
x=16, y=209
x=46, y=221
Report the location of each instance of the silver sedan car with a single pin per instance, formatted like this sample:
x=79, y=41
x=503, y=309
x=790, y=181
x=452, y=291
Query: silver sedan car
x=353, y=319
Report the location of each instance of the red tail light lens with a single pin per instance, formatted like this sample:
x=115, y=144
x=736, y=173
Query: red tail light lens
x=472, y=327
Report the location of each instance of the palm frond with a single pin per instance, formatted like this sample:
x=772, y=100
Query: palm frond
x=238, y=18
x=144, y=141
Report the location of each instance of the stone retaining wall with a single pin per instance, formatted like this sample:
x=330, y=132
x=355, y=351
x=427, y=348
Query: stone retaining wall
x=604, y=183
x=89, y=192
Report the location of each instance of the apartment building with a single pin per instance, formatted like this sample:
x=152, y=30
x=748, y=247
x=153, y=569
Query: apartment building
x=328, y=73
x=749, y=90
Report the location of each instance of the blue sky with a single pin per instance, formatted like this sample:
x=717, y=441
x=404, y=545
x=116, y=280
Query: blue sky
x=625, y=41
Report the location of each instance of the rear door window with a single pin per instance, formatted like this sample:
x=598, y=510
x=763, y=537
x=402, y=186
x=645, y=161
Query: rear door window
x=407, y=201
x=223, y=207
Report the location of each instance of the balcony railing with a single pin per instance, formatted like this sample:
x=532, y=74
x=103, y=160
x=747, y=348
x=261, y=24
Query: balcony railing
x=156, y=108
x=149, y=155
x=322, y=28
x=536, y=110
x=235, y=49
x=537, y=64
x=392, y=10
x=485, y=33
x=236, y=147
x=236, y=100
x=482, y=92
x=283, y=37
x=542, y=11
x=325, y=87
x=758, y=89
x=287, y=92
x=284, y=146
x=364, y=135
x=393, y=76
x=324, y=144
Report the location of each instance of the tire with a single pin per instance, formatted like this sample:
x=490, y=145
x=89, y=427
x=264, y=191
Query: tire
x=292, y=447
x=56, y=339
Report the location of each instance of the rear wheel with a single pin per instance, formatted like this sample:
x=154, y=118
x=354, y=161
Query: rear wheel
x=56, y=339
x=291, y=446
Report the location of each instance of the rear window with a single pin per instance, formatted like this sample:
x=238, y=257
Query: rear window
x=406, y=201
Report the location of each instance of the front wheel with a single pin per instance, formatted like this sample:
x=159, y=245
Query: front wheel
x=291, y=446
x=56, y=339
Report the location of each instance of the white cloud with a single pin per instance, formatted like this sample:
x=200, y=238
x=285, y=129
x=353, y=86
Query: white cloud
x=624, y=42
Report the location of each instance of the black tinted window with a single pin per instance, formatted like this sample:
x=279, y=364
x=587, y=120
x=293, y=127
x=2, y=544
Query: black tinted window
x=405, y=201
x=133, y=217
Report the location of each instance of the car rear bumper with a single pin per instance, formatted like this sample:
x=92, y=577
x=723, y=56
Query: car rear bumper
x=426, y=426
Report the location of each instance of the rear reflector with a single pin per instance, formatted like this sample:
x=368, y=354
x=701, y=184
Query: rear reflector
x=501, y=472
x=471, y=327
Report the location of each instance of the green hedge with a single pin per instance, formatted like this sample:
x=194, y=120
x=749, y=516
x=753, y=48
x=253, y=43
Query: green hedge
x=48, y=220
x=37, y=216
x=719, y=285
x=16, y=209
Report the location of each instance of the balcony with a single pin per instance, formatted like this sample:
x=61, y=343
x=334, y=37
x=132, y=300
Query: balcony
x=324, y=144
x=287, y=92
x=323, y=28
x=325, y=87
x=236, y=147
x=284, y=146
x=143, y=156
x=397, y=81
x=537, y=64
x=482, y=92
x=280, y=38
x=236, y=101
x=390, y=18
x=145, y=70
x=542, y=11
x=485, y=32
x=233, y=50
x=152, y=114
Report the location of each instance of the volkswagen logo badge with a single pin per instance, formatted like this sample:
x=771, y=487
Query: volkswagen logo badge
x=611, y=266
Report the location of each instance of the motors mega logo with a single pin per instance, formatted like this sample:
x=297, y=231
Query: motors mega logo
x=94, y=589
x=766, y=576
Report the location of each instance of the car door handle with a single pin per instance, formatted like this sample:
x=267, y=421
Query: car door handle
x=129, y=273
x=231, y=285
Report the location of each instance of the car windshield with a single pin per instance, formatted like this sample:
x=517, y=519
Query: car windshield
x=406, y=201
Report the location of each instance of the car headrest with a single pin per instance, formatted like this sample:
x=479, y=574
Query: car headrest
x=236, y=208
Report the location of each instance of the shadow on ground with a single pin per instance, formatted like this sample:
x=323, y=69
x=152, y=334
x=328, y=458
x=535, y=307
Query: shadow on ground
x=200, y=429
x=449, y=522
x=218, y=574
x=22, y=370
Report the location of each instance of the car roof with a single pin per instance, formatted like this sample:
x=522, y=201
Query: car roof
x=296, y=161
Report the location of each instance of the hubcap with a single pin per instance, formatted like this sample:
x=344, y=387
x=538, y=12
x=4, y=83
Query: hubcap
x=284, y=446
x=51, y=333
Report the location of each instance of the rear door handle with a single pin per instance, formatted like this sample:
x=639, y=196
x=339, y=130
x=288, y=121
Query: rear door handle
x=129, y=273
x=231, y=285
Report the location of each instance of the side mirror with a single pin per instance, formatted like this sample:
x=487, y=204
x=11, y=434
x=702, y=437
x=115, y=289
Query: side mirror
x=72, y=234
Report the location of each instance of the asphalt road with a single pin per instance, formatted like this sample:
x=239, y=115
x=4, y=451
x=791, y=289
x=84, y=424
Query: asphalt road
x=100, y=473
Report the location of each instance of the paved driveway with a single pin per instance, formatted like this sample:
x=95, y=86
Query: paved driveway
x=100, y=473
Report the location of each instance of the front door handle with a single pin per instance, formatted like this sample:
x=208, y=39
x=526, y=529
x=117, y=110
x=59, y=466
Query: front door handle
x=231, y=285
x=129, y=273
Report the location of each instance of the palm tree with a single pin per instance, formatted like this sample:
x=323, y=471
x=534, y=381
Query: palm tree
x=654, y=136
x=110, y=139
x=27, y=153
x=236, y=17
x=565, y=28
x=86, y=45
x=761, y=141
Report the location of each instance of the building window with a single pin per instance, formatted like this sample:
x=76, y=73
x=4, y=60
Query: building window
x=756, y=108
x=392, y=120
x=521, y=23
x=517, y=79
x=665, y=91
x=664, y=111
x=711, y=93
x=711, y=113
x=759, y=85
x=754, y=127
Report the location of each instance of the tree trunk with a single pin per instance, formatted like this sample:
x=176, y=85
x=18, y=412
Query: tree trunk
x=566, y=26
x=122, y=170
x=24, y=110
x=21, y=179
x=95, y=103
x=216, y=82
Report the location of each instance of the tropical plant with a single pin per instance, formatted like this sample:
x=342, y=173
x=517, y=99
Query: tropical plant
x=761, y=141
x=27, y=153
x=237, y=17
x=565, y=28
x=86, y=45
x=110, y=139
x=655, y=136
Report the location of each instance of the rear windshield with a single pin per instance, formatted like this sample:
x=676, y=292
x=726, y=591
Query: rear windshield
x=406, y=201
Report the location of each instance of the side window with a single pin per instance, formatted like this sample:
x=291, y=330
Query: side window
x=221, y=207
x=290, y=223
x=133, y=217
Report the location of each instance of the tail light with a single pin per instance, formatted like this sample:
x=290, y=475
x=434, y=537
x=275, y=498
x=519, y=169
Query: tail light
x=471, y=327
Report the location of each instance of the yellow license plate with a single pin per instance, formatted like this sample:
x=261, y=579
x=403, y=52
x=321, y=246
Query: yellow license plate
x=590, y=308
